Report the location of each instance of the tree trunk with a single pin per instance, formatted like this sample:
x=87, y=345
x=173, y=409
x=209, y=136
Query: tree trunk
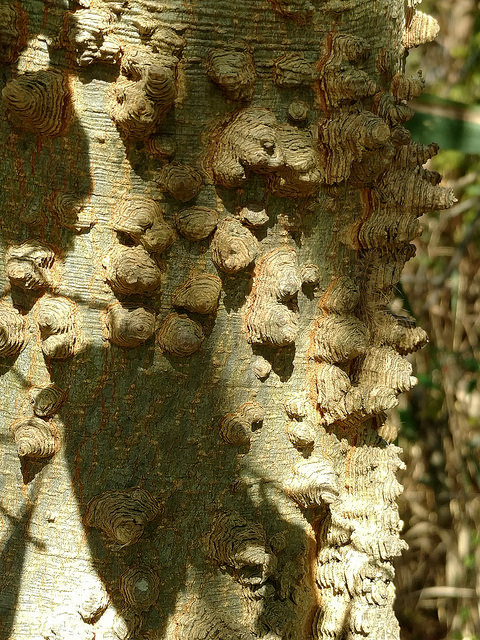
x=211, y=207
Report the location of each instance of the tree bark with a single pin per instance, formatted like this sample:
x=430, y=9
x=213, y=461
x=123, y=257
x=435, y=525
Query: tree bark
x=206, y=208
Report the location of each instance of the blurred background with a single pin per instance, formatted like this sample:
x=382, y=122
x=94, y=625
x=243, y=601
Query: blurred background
x=438, y=579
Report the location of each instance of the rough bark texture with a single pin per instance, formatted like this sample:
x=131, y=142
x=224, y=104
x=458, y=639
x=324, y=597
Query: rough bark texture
x=205, y=209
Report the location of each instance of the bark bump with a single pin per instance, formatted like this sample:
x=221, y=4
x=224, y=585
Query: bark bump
x=56, y=319
x=122, y=515
x=129, y=325
x=39, y=102
x=35, y=438
x=13, y=335
x=179, y=335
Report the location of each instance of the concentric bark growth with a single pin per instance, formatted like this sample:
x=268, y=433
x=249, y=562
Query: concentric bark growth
x=399, y=331
x=179, y=335
x=392, y=207
x=199, y=294
x=411, y=154
x=341, y=401
x=161, y=146
x=35, y=438
x=313, y=483
x=46, y=401
x=129, y=325
x=261, y=367
x=414, y=193
x=385, y=106
x=301, y=435
x=144, y=92
x=236, y=427
x=302, y=172
x=122, y=515
x=233, y=247
x=181, y=181
x=233, y=71
x=141, y=219
x=404, y=88
x=348, y=140
x=310, y=275
x=29, y=265
x=341, y=82
x=356, y=370
x=420, y=28
x=252, y=141
x=13, y=335
x=69, y=212
x=253, y=215
x=199, y=622
x=269, y=319
x=354, y=570
x=239, y=544
x=140, y=587
x=13, y=31
x=89, y=36
x=39, y=102
x=384, y=367
x=339, y=338
x=196, y=223
x=247, y=142
x=59, y=335
x=293, y=70
x=131, y=270
x=298, y=111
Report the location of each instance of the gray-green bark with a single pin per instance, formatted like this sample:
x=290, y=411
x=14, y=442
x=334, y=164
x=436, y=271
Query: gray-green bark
x=205, y=209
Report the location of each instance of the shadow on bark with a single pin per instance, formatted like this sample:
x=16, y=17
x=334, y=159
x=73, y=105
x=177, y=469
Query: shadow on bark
x=31, y=171
x=138, y=430
x=133, y=419
x=12, y=558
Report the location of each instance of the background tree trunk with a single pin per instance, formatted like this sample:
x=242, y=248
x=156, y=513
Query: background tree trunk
x=205, y=469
